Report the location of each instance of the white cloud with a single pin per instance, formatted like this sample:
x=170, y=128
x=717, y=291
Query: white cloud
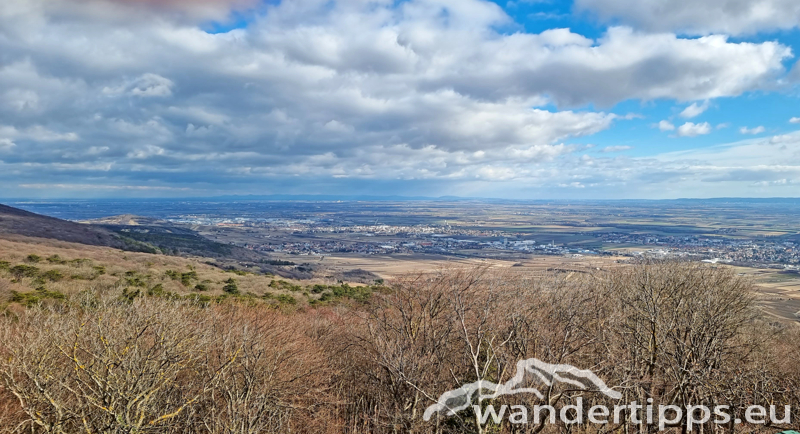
x=734, y=17
x=666, y=126
x=756, y=130
x=37, y=133
x=795, y=120
x=690, y=129
x=609, y=149
x=420, y=89
x=694, y=110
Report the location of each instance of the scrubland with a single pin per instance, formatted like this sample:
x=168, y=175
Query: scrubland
x=101, y=357
x=32, y=272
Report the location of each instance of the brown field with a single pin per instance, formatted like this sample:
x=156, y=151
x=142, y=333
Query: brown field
x=388, y=267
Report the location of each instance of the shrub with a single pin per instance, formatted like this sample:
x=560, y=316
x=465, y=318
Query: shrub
x=278, y=262
x=231, y=287
x=20, y=271
x=286, y=299
x=186, y=278
x=357, y=293
x=133, y=278
x=282, y=284
x=159, y=366
x=55, y=259
x=199, y=300
x=53, y=275
x=130, y=295
x=33, y=258
x=156, y=291
x=29, y=299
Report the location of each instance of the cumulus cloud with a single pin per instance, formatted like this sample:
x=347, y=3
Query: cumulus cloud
x=733, y=17
x=691, y=129
x=666, y=126
x=795, y=120
x=757, y=130
x=694, y=110
x=350, y=89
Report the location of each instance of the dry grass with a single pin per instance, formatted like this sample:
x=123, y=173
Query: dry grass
x=98, y=362
x=67, y=268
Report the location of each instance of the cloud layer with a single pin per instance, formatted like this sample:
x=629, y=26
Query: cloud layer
x=125, y=92
x=732, y=17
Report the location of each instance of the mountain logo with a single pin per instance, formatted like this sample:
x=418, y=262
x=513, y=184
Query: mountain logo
x=530, y=372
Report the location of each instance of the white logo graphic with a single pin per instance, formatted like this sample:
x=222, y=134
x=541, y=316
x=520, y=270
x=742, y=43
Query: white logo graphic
x=529, y=372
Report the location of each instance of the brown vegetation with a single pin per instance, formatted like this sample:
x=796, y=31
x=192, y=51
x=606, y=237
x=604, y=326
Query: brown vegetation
x=34, y=270
x=676, y=333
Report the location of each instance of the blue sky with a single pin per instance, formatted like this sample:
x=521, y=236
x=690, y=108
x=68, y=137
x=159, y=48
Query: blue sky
x=532, y=99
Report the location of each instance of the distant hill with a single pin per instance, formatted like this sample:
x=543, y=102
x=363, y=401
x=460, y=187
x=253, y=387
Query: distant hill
x=15, y=221
x=128, y=220
x=174, y=239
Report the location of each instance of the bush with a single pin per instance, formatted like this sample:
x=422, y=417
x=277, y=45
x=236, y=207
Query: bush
x=53, y=275
x=130, y=295
x=282, y=284
x=133, y=278
x=186, y=278
x=202, y=286
x=156, y=291
x=357, y=293
x=55, y=259
x=285, y=299
x=231, y=287
x=33, y=258
x=278, y=262
x=20, y=271
x=159, y=366
x=29, y=299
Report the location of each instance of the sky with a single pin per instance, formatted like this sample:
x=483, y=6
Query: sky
x=519, y=99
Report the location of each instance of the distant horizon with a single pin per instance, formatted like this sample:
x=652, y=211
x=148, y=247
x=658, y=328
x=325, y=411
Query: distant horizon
x=347, y=198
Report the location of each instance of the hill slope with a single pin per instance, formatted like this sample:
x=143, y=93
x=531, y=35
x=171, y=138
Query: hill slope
x=15, y=221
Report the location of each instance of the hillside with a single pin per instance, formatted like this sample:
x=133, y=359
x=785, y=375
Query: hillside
x=34, y=270
x=126, y=232
x=15, y=221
